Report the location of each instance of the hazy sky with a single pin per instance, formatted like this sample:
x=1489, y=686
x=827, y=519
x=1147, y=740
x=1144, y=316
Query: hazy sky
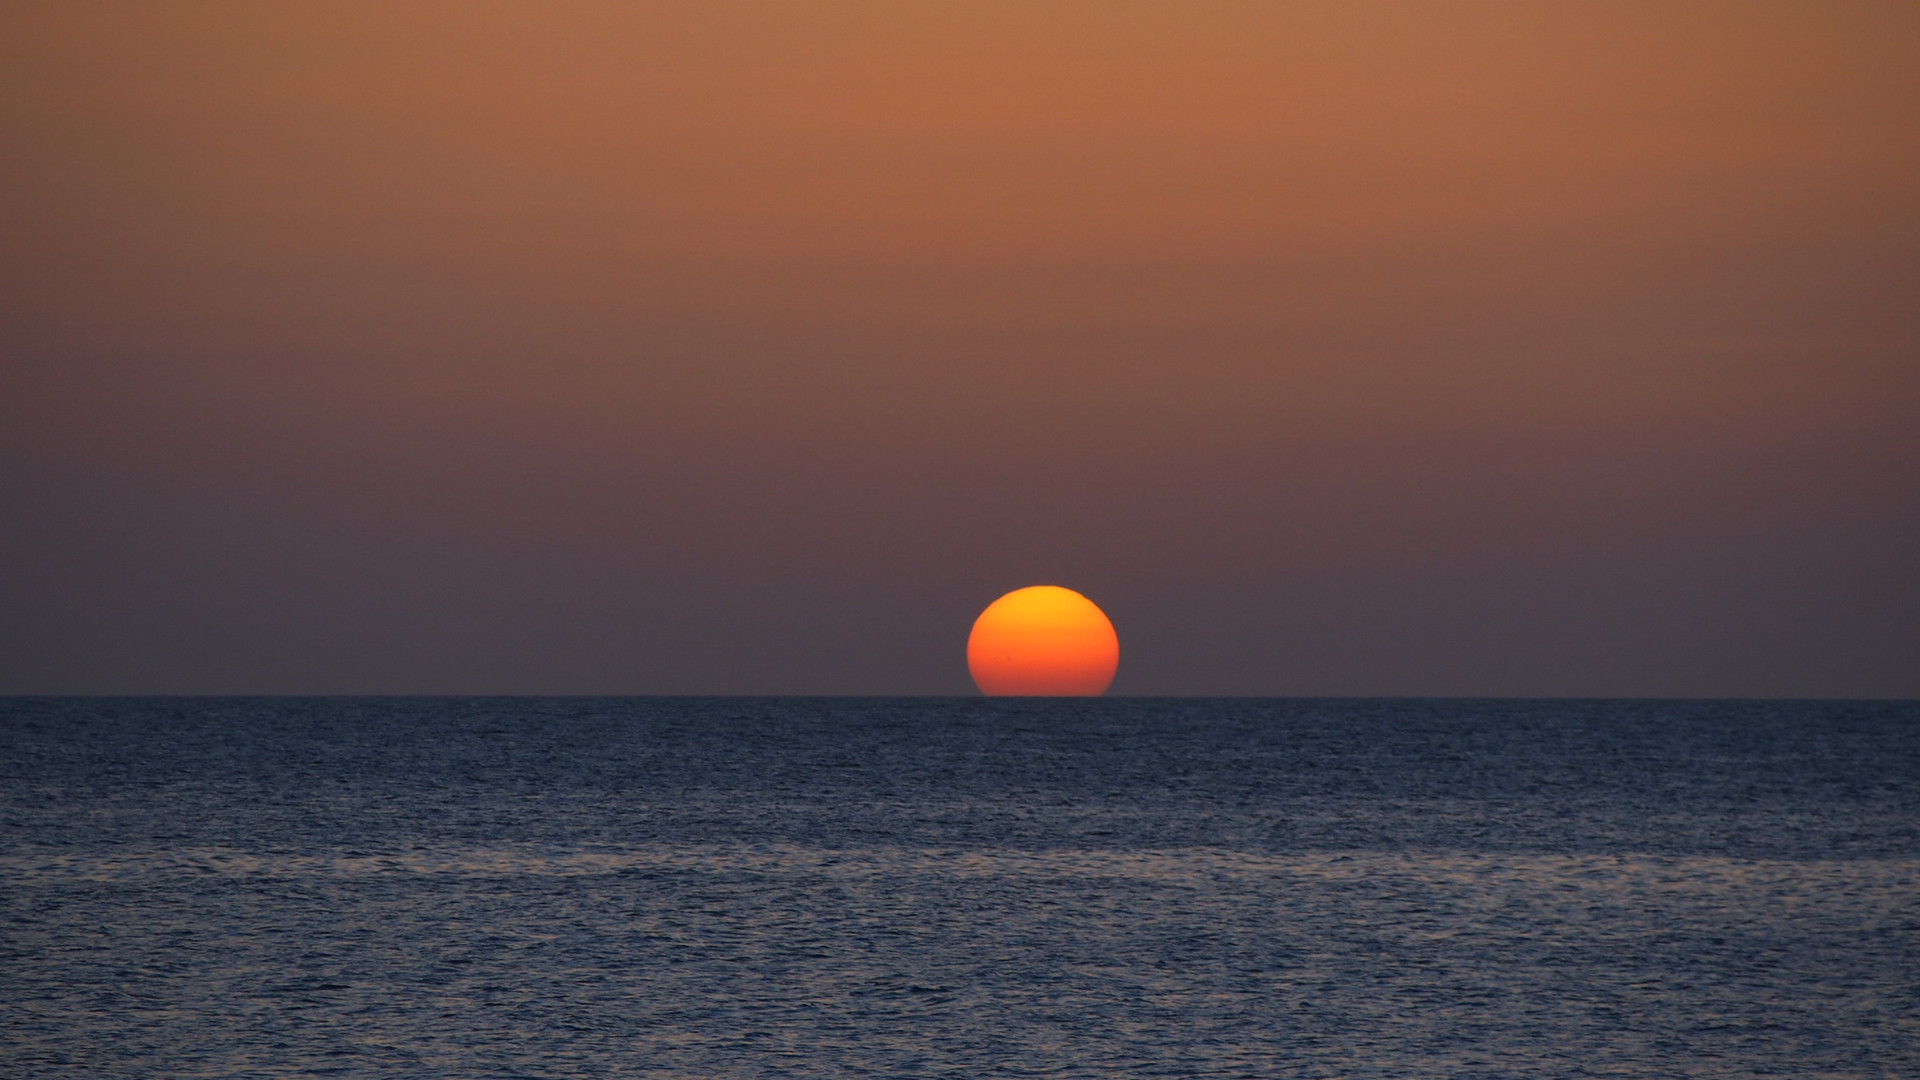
x=1343, y=348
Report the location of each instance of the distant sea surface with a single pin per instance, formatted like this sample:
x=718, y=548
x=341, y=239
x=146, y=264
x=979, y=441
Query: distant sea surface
x=716, y=887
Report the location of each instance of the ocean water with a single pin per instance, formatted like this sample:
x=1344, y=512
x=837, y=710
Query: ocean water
x=952, y=887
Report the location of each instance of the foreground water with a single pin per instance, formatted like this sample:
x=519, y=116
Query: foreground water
x=767, y=887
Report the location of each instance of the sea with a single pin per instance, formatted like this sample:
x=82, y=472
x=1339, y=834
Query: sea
x=957, y=887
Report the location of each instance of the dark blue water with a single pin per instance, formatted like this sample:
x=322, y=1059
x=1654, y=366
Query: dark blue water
x=716, y=887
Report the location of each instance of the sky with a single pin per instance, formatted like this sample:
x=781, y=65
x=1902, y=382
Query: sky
x=1336, y=348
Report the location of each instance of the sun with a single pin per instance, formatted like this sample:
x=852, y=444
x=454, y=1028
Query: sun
x=1043, y=640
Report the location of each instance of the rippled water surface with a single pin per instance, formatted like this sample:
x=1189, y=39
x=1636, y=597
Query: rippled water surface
x=714, y=887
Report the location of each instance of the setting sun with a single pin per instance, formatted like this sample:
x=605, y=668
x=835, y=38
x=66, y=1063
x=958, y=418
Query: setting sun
x=1043, y=640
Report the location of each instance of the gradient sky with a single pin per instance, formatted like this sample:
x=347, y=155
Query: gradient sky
x=1338, y=348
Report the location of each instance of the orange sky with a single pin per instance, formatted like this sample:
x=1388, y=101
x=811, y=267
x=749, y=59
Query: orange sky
x=1331, y=348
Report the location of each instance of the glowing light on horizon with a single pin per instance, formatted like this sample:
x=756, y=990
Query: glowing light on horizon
x=1043, y=640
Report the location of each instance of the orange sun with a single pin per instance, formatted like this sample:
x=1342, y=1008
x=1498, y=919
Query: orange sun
x=1043, y=640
